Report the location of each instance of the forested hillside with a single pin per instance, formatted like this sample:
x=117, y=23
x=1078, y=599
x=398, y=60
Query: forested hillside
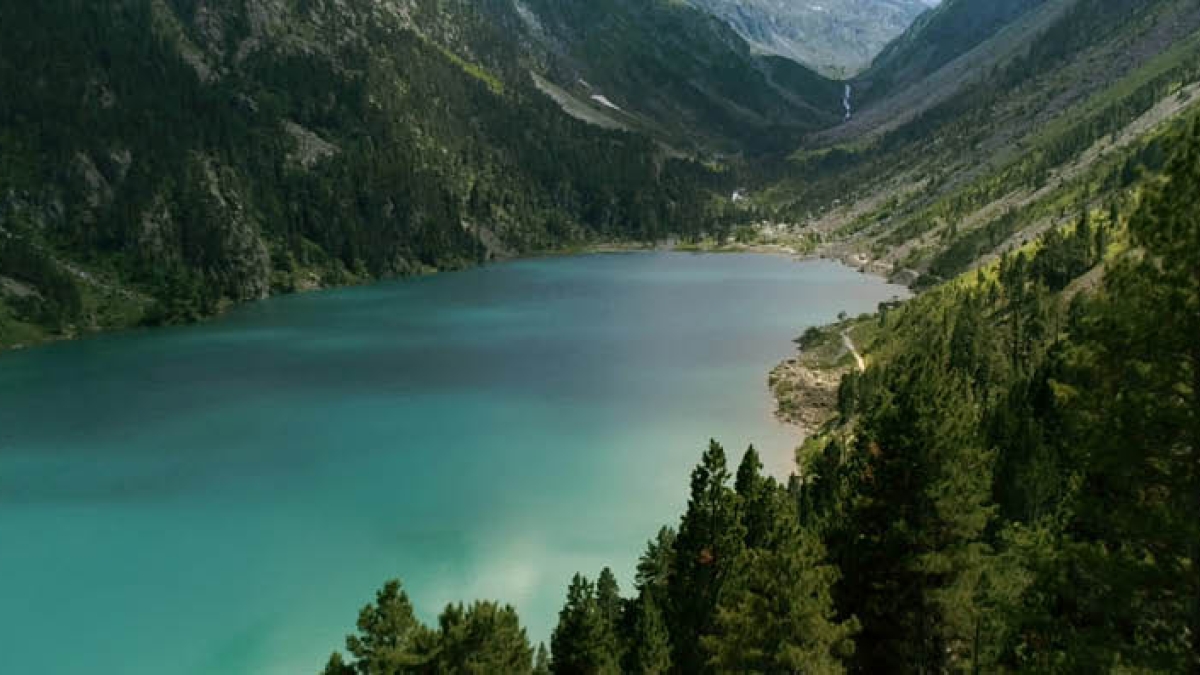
x=1010, y=486
x=679, y=74
x=164, y=159
x=938, y=37
x=924, y=193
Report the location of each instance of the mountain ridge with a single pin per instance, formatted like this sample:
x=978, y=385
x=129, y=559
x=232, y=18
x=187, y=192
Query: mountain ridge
x=838, y=38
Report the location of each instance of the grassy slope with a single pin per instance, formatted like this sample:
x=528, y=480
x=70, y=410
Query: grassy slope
x=1008, y=155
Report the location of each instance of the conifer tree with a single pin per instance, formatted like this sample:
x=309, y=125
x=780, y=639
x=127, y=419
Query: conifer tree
x=336, y=666
x=390, y=640
x=1130, y=391
x=650, y=643
x=776, y=613
x=608, y=598
x=914, y=545
x=757, y=497
x=541, y=662
x=482, y=639
x=710, y=539
x=610, y=606
x=581, y=643
x=656, y=564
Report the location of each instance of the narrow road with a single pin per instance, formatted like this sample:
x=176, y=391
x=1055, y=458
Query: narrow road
x=862, y=365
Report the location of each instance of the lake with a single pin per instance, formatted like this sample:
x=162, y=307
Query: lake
x=222, y=498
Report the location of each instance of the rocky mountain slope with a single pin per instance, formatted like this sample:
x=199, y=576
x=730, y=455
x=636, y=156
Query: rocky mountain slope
x=676, y=73
x=836, y=37
x=939, y=36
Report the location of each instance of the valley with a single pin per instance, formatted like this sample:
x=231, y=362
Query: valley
x=997, y=201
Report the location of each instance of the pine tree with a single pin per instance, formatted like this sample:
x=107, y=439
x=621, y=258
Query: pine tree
x=776, y=613
x=650, y=643
x=541, y=662
x=609, y=606
x=709, y=542
x=913, y=548
x=482, y=639
x=957, y=556
x=390, y=640
x=1130, y=390
x=757, y=496
x=608, y=597
x=581, y=643
x=336, y=666
x=656, y=565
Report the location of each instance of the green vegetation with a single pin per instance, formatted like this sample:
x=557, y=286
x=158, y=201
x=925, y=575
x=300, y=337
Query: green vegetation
x=684, y=75
x=159, y=167
x=483, y=638
x=1006, y=488
x=938, y=37
x=1010, y=486
x=961, y=165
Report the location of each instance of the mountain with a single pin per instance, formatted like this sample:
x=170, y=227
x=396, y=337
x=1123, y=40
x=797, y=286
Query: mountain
x=939, y=36
x=836, y=37
x=1006, y=476
x=998, y=145
x=165, y=158
x=675, y=73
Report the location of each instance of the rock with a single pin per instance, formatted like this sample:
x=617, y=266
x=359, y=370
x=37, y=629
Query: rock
x=99, y=193
x=242, y=264
x=17, y=289
x=310, y=148
x=805, y=396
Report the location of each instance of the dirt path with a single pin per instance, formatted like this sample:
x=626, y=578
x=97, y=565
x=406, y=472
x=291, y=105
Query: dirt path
x=862, y=365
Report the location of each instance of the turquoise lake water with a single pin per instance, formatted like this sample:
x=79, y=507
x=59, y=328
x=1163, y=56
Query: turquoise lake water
x=223, y=498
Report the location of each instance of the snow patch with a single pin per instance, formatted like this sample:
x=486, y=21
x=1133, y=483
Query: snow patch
x=603, y=100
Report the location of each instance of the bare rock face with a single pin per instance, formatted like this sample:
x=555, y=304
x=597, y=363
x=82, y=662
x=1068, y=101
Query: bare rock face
x=805, y=396
x=98, y=193
x=240, y=262
x=159, y=234
x=310, y=148
x=835, y=37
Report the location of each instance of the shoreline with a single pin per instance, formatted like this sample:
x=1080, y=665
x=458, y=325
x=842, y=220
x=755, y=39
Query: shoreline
x=805, y=386
x=669, y=245
x=803, y=389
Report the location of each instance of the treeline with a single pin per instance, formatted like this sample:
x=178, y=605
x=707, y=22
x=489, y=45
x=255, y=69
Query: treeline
x=741, y=585
x=1011, y=486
